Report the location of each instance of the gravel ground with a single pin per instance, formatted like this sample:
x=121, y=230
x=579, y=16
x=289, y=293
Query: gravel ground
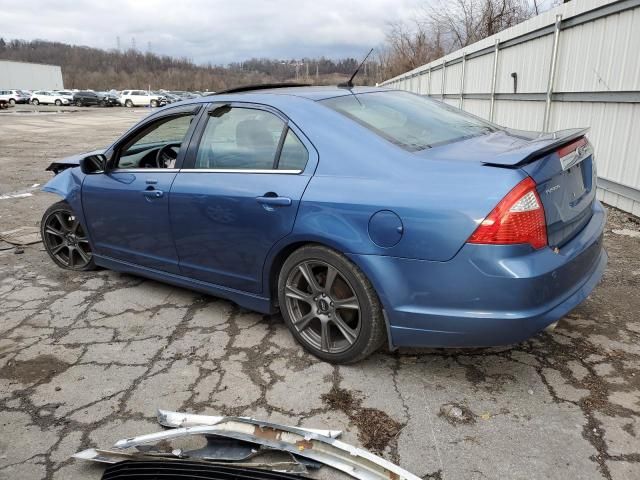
x=85, y=359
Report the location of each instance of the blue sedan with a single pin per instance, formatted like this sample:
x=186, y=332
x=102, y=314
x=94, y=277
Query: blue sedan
x=365, y=215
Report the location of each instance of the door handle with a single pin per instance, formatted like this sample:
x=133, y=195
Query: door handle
x=153, y=193
x=274, y=201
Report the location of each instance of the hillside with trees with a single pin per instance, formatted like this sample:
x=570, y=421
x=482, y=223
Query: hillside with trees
x=86, y=67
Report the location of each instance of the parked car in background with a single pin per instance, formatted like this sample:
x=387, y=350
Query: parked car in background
x=47, y=97
x=68, y=94
x=141, y=98
x=85, y=98
x=366, y=215
x=107, y=99
x=169, y=97
x=14, y=96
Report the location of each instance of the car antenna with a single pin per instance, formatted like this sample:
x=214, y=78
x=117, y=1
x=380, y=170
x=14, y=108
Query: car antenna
x=349, y=83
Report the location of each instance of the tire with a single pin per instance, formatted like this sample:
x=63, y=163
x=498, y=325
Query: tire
x=35, y=101
x=102, y=103
x=154, y=103
x=78, y=103
x=58, y=103
x=128, y=104
x=12, y=102
x=350, y=301
x=65, y=239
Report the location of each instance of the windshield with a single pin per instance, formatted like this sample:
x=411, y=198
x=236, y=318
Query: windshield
x=410, y=121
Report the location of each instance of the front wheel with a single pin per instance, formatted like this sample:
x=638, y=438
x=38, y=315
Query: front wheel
x=78, y=103
x=128, y=104
x=12, y=102
x=35, y=101
x=154, y=103
x=65, y=239
x=330, y=306
x=58, y=103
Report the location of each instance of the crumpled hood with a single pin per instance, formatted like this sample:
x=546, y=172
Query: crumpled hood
x=72, y=161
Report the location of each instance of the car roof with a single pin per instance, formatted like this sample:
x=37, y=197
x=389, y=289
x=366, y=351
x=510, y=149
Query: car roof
x=312, y=93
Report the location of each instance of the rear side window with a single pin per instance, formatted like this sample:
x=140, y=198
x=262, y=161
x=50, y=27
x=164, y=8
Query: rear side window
x=410, y=121
x=293, y=155
x=240, y=138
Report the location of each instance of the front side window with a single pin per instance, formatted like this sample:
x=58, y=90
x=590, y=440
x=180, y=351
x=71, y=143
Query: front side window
x=156, y=146
x=240, y=138
x=410, y=121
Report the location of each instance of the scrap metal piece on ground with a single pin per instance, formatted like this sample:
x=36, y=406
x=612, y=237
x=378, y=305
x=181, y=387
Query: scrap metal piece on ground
x=112, y=457
x=216, y=448
x=21, y=236
x=170, y=419
x=186, y=470
x=351, y=460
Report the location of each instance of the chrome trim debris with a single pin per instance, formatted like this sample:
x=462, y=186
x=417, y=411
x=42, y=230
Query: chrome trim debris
x=111, y=457
x=168, y=418
x=351, y=460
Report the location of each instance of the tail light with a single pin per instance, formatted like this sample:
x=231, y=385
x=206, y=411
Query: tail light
x=518, y=218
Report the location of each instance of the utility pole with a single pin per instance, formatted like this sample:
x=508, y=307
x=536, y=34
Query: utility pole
x=133, y=43
x=118, y=43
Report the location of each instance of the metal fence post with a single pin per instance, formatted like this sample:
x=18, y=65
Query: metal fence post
x=494, y=77
x=552, y=74
x=444, y=79
x=464, y=62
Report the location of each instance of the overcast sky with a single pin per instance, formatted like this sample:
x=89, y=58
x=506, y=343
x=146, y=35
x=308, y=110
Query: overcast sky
x=211, y=30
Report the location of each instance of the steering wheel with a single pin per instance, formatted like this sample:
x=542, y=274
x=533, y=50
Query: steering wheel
x=166, y=155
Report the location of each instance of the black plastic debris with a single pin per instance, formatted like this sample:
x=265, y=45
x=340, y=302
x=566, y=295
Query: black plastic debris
x=188, y=470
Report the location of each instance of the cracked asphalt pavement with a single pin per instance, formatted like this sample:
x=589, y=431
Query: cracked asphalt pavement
x=85, y=359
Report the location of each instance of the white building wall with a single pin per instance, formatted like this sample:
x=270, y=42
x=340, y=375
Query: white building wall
x=596, y=85
x=30, y=76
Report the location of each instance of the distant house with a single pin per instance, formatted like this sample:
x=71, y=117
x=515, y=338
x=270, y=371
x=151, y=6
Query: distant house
x=30, y=76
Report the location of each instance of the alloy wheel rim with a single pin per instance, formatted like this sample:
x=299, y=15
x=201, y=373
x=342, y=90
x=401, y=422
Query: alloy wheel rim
x=66, y=240
x=323, y=306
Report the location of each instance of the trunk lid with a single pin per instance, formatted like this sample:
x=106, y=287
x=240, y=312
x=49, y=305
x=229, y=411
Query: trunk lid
x=560, y=163
x=566, y=184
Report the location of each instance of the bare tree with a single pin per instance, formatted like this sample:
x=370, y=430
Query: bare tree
x=409, y=46
x=445, y=26
x=464, y=22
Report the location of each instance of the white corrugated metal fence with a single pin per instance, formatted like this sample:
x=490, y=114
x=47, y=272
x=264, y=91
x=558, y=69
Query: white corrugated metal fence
x=593, y=49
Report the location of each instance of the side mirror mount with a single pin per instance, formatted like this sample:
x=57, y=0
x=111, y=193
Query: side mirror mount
x=93, y=164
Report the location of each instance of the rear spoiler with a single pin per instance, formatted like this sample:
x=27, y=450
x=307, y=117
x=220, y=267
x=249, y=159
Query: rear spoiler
x=536, y=148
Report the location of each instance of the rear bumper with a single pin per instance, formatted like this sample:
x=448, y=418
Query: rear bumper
x=486, y=295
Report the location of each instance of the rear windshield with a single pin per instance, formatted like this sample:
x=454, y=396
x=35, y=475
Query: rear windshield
x=410, y=121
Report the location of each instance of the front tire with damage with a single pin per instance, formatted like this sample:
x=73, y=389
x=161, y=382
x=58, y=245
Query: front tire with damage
x=330, y=306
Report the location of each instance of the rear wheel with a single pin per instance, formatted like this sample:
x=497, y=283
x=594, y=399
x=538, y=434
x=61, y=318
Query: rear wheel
x=78, y=103
x=12, y=101
x=128, y=104
x=65, y=239
x=330, y=306
x=35, y=101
